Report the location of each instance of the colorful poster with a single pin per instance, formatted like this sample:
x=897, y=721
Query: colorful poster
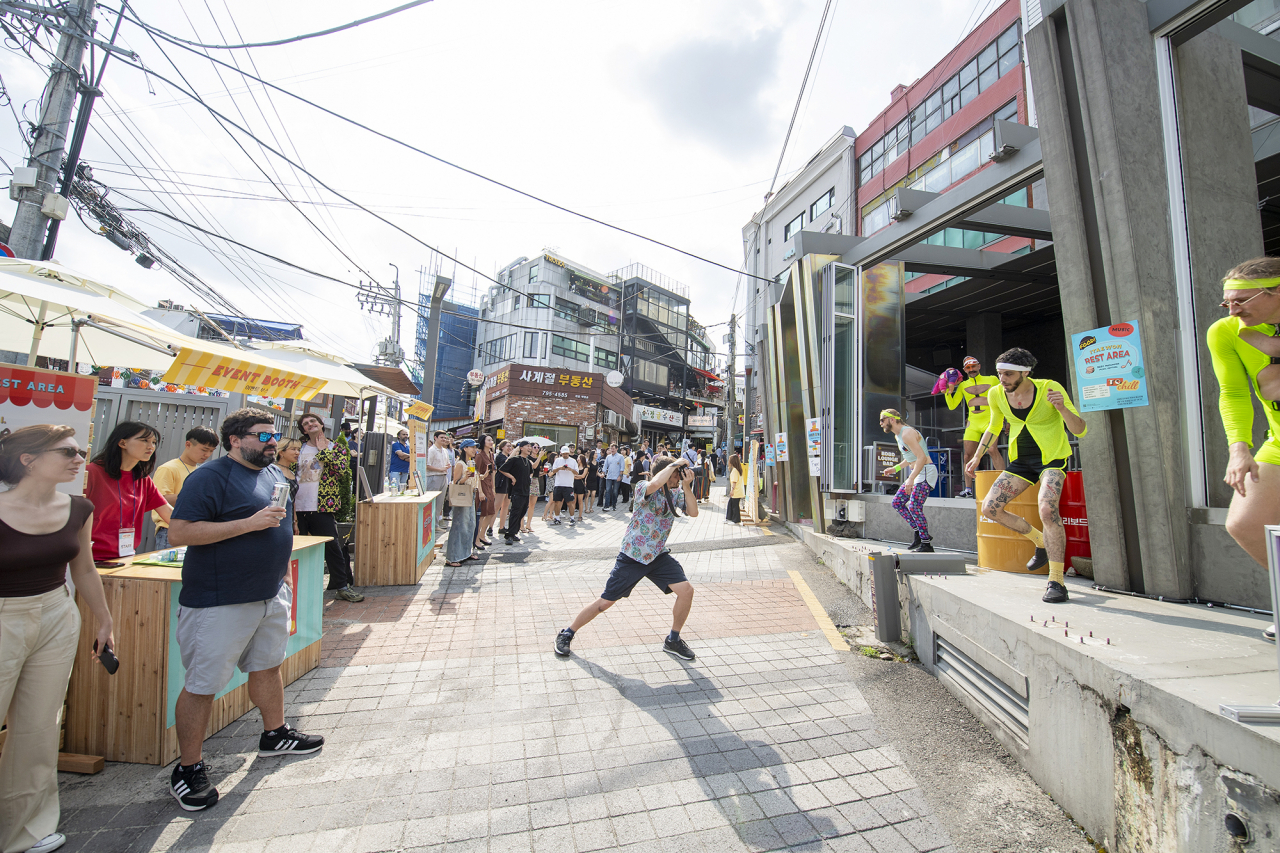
x=769, y=455
x=30, y=396
x=813, y=436
x=780, y=447
x=1109, y=368
x=426, y=526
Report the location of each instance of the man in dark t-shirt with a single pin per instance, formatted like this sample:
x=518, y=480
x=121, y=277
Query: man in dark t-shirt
x=518, y=469
x=234, y=604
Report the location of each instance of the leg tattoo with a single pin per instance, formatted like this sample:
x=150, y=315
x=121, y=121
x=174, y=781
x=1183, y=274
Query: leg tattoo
x=1055, y=535
x=1004, y=489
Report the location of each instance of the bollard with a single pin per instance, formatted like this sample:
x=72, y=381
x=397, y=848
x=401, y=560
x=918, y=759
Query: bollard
x=884, y=580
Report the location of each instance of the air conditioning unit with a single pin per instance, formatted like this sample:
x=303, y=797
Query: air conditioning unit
x=618, y=422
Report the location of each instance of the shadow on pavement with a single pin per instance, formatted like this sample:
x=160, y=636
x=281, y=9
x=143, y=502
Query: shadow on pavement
x=757, y=806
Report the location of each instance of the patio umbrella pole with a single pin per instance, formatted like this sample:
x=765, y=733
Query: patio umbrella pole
x=75, y=341
x=37, y=334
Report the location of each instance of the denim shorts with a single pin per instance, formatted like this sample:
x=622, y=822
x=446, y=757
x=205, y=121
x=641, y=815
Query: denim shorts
x=214, y=641
x=663, y=571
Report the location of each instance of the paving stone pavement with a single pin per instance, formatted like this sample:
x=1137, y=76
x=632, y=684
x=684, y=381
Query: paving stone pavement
x=451, y=726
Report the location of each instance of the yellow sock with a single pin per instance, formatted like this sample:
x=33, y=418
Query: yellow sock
x=1035, y=536
x=1055, y=571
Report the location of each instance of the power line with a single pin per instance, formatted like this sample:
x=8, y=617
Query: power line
x=800, y=97
x=292, y=39
x=166, y=37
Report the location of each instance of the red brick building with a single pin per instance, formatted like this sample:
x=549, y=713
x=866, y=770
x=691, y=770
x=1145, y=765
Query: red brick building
x=563, y=405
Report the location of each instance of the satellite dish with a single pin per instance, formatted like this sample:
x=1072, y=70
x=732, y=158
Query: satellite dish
x=613, y=379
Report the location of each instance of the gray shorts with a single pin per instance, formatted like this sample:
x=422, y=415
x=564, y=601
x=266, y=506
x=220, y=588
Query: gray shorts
x=216, y=640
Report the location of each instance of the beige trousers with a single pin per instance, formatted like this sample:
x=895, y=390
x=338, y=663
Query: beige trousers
x=38, y=636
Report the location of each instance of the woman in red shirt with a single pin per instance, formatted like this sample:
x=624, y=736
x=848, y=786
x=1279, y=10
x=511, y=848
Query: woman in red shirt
x=118, y=481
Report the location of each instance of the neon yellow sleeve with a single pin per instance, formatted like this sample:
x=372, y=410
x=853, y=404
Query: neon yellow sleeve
x=1234, y=388
x=1066, y=401
x=956, y=396
x=998, y=406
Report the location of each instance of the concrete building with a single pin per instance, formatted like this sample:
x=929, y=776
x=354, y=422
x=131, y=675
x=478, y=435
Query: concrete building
x=561, y=314
x=1155, y=151
x=453, y=396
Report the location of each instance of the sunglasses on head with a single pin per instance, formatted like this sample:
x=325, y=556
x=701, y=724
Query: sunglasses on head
x=69, y=452
x=264, y=437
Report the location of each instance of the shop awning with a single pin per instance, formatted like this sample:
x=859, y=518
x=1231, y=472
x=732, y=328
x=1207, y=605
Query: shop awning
x=392, y=377
x=709, y=375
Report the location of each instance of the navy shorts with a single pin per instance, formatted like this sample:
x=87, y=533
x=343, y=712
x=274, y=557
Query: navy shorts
x=663, y=571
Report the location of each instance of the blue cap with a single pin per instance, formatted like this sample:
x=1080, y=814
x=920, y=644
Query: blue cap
x=466, y=442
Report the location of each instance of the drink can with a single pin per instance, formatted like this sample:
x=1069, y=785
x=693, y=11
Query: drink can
x=280, y=495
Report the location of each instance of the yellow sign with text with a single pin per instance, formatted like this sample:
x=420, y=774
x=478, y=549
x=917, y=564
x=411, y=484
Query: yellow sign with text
x=213, y=370
x=420, y=410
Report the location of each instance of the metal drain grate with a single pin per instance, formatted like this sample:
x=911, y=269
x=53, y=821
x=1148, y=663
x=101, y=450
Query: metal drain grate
x=969, y=676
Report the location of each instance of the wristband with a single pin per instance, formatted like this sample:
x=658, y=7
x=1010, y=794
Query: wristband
x=897, y=468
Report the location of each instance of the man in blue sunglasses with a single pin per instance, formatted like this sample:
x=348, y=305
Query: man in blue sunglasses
x=234, y=604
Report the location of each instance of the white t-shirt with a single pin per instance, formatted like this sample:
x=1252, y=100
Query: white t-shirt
x=309, y=468
x=438, y=457
x=564, y=469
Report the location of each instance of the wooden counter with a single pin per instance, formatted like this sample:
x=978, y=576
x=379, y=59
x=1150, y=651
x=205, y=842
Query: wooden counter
x=395, y=538
x=129, y=716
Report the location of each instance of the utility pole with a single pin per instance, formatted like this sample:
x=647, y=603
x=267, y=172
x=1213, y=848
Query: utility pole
x=27, y=236
x=441, y=287
x=733, y=382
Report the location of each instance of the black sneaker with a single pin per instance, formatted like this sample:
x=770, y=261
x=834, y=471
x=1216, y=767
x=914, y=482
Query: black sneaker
x=915, y=543
x=289, y=742
x=563, y=639
x=191, y=788
x=571, y=521
x=1055, y=594
x=1038, y=561
x=679, y=648
x=925, y=548
x=511, y=540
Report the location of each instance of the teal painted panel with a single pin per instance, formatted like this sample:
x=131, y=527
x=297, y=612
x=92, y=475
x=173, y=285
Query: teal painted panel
x=427, y=525
x=308, y=615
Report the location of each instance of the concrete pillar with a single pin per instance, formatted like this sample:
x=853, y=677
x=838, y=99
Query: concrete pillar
x=1094, y=70
x=983, y=339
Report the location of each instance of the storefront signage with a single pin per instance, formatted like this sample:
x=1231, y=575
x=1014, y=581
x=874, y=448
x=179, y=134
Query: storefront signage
x=701, y=420
x=232, y=374
x=29, y=396
x=556, y=384
x=657, y=416
x=886, y=456
x=1109, y=368
x=780, y=445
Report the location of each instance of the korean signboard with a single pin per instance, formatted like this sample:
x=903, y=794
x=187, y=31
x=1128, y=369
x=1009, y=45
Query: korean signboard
x=701, y=420
x=553, y=383
x=1109, y=368
x=658, y=416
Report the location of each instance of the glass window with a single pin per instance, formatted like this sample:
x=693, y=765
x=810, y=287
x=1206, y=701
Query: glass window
x=933, y=102
x=650, y=372
x=876, y=219
x=954, y=238
x=878, y=148
x=606, y=359
x=968, y=93
x=842, y=414
x=569, y=348
x=933, y=121
x=988, y=76
x=844, y=290
x=974, y=239
x=865, y=175
x=1008, y=39
x=1009, y=112
x=559, y=434
x=533, y=273
x=917, y=133
x=951, y=88
x=822, y=205
x=965, y=160
x=539, y=300
x=938, y=178
x=988, y=57
x=1009, y=61
x=531, y=344
x=968, y=74
x=566, y=310
x=794, y=225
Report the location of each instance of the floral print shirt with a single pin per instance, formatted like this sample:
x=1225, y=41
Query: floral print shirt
x=646, y=535
x=326, y=467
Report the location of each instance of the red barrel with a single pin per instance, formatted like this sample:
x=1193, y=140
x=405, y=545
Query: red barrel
x=1075, y=519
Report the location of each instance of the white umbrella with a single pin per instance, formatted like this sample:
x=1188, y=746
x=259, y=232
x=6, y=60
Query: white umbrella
x=541, y=441
x=342, y=379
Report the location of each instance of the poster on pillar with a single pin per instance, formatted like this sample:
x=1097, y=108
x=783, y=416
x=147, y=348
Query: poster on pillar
x=780, y=447
x=1109, y=368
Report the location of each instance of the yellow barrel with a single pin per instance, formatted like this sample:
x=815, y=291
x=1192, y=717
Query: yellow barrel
x=999, y=547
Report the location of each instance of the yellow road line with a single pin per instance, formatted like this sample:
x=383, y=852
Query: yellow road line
x=819, y=614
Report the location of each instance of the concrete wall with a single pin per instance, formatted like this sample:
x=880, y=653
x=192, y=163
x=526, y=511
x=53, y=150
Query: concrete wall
x=952, y=522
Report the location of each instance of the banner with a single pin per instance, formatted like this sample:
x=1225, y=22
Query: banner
x=30, y=396
x=214, y=370
x=1109, y=368
x=420, y=410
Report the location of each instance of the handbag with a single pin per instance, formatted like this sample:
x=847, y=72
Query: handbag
x=462, y=494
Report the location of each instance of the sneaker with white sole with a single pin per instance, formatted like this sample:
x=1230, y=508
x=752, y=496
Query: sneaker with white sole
x=190, y=786
x=288, y=741
x=563, y=639
x=1269, y=632
x=50, y=842
x=348, y=593
x=678, y=647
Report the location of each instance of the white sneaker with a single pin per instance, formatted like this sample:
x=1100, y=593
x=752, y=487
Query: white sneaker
x=49, y=842
x=1268, y=633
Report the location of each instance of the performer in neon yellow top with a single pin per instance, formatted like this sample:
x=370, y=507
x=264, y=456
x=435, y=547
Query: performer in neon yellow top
x=1245, y=348
x=1040, y=415
x=973, y=392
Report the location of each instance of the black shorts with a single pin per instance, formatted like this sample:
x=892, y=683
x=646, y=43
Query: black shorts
x=562, y=494
x=1031, y=471
x=663, y=571
x=501, y=484
x=579, y=487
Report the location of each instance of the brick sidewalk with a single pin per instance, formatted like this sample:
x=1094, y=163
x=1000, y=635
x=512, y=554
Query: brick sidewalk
x=452, y=726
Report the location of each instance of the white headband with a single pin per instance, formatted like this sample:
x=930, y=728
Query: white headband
x=1004, y=365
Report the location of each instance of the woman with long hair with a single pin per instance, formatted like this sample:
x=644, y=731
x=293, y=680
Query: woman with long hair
x=462, y=532
x=535, y=489
x=118, y=484
x=501, y=488
x=43, y=534
x=321, y=464
x=487, y=495
x=733, y=514
x=591, y=481
x=287, y=459
x=580, y=486
x=644, y=554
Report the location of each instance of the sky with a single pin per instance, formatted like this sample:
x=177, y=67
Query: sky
x=666, y=118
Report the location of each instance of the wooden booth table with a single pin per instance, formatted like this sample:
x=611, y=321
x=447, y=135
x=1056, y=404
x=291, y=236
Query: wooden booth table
x=395, y=538
x=129, y=716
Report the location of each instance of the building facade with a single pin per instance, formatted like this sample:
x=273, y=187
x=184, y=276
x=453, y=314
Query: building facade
x=453, y=396
x=551, y=312
x=567, y=406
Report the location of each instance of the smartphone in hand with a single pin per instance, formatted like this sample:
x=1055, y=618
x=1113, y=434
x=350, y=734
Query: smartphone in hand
x=108, y=658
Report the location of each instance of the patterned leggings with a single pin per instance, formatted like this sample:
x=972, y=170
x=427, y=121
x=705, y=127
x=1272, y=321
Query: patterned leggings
x=911, y=506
